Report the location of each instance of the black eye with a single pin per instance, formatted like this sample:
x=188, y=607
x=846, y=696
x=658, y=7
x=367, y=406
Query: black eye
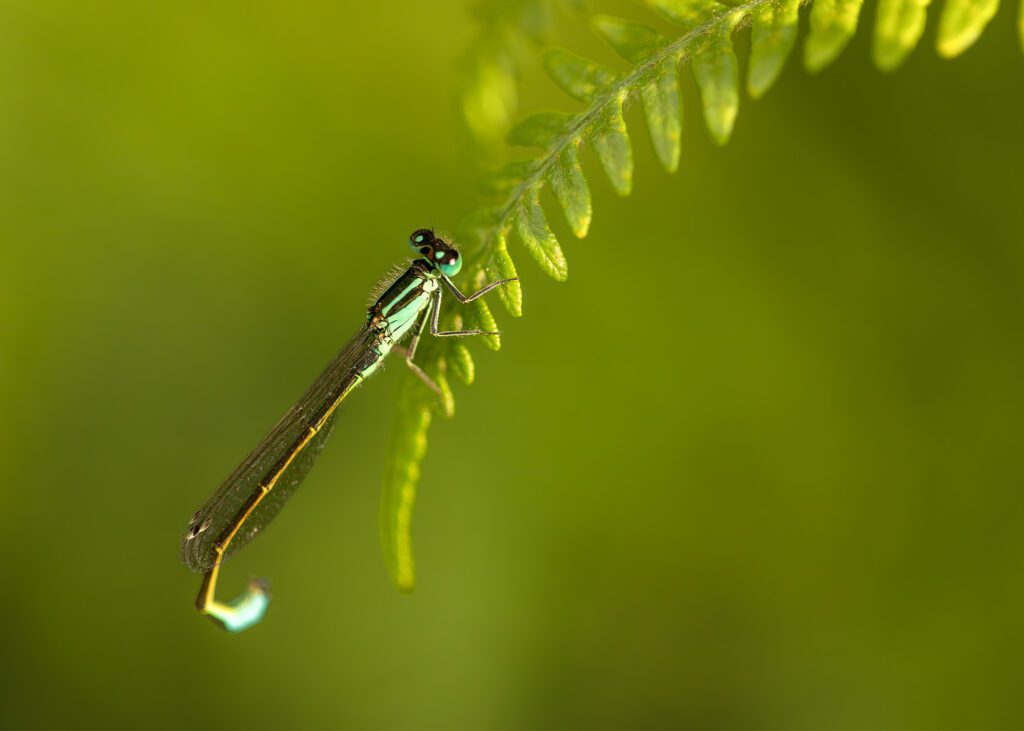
x=425, y=250
x=454, y=257
x=422, y=236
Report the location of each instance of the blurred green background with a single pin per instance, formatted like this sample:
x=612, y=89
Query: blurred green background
x=756, y=464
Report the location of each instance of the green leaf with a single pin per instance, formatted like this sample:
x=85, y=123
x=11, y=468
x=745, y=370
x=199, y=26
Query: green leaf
x=664, y=112
x=633, y=41
x=408, y=447
x=539, y=130
x=771, y=40
x=578, y=77
x=445, y=403
x=462, y=362
x=500, y=266
x=833, y=23
x=898, y=27
x=717, y=73
x=961, y=24
x=687, y=13
x=532, y=227
x=479, y=316
x=611, y=140
x=500, y=181
x=566, y=178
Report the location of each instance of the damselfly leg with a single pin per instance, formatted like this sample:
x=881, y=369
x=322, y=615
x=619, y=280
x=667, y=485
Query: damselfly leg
x=479, y=293
x=410, y=354
x=436, y=316
x=434, y=311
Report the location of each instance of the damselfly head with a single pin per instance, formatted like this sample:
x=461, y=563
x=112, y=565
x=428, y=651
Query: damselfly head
x=436, y=250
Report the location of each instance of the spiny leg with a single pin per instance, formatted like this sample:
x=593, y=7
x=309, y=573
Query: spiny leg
x=436, y=316
x=479, y=293
x=434, y=312
x=410, y=353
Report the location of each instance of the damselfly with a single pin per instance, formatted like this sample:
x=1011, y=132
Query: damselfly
x=256, y=491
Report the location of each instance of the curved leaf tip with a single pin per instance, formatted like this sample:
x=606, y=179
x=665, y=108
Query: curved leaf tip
x=833, y=23
x=409, y=446
x=961, y=24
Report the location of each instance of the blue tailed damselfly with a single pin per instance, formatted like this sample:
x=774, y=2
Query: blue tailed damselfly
x=256, y=491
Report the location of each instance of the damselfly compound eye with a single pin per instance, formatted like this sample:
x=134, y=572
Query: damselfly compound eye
x=422, y=241
x=421, y=236
x=450, y=263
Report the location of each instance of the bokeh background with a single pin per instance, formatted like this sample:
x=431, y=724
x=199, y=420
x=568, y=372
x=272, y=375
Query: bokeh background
x=756, y=464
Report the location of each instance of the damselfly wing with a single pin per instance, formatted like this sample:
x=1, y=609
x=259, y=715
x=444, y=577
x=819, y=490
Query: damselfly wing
x=285, y=454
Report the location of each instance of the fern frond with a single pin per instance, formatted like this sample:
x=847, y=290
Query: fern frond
x=408, y=447
x=706, y=42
